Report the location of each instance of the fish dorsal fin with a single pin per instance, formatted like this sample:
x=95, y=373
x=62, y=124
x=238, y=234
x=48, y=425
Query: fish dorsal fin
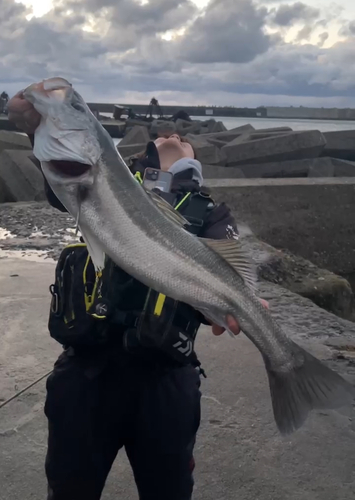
x=232, y=251
x=167, y=209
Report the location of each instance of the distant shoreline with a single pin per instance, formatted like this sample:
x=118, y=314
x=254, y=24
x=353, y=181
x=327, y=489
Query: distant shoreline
x=268, y=112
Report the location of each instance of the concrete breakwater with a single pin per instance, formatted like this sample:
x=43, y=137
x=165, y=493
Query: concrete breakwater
x=230, y=111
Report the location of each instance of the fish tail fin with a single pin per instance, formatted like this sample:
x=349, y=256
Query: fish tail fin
x=310, y=386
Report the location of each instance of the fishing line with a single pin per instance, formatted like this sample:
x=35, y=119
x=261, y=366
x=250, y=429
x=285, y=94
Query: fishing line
x=24, y=390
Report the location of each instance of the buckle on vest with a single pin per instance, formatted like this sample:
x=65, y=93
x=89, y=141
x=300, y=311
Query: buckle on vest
x=55, y=300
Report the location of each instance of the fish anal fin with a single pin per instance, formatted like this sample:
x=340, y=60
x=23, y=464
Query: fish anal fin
x=232, y=251
x=167, y=209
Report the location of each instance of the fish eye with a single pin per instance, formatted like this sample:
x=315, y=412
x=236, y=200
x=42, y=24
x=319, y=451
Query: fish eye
x=78, y=107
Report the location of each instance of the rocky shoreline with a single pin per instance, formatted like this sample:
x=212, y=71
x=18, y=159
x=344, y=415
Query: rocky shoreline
x=33, y=228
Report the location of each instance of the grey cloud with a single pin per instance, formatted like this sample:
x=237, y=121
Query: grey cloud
x=286, y=15
x=230, y=30
x=305, y=33
x=225, y=51
x=154, y=16
x=323, y=37
x=348, y=29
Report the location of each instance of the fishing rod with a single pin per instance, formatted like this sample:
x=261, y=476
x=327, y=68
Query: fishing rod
x=24, y=390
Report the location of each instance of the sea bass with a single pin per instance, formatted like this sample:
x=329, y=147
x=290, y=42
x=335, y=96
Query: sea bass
x=148, y=239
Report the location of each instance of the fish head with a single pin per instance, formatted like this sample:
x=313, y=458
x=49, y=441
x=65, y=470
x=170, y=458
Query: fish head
x=76, y=153
x=70, y=142
x=68, y=129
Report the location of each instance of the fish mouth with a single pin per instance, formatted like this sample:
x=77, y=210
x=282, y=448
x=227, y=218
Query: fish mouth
x=70, y=168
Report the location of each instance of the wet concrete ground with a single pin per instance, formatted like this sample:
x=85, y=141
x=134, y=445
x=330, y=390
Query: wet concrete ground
x=239, y=453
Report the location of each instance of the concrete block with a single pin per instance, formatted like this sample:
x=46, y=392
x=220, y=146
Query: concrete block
x=274, y=129
x=20, y=179
x=115, y=128
x=131, y=122
x=162, y=128
x=212, y=127
x=191, y=128
x=321, y=167
x=279, y=169
x=309, y=217
x=216, y=142
x=291, y=146
x=340, y=144
x=239, y=139
x=219, y=127
x=131, y=149
x=205, y=152
x=223, y=136
x=205, y=129
x=242, y=129
x=253, y=136
x=182, y=124
x=13, y=140
x=229, y=135
x=217, y=172
x=343, y=168
x=136, y=135
x=309, y=167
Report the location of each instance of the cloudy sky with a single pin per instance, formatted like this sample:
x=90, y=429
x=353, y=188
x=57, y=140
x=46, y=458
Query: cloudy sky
x=223, y=52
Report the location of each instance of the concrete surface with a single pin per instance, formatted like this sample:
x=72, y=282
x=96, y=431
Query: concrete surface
x=230, y=135
x=308, y=167
x=12, y=140
x=186, y=127
x=20, y=179
x=137, y=135
x=290, y=146
x=162, y=128
x=340, y=144
x=205, y=151
x=218, y=172
x=312, y=218
x=131, y=149
x=239, y=453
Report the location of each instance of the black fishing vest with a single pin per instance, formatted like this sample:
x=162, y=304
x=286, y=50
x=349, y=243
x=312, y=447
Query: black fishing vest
x=89, y=309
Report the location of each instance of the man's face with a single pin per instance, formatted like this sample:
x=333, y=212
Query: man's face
x=173, y=147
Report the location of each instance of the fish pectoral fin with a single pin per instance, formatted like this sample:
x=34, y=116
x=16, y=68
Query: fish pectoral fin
x=167, y=209
x=233, y=252
x=94, y=249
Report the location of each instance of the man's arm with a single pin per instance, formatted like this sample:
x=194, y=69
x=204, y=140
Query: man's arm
x=220, y=224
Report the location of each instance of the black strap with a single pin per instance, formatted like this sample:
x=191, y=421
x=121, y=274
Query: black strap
x=196, y=210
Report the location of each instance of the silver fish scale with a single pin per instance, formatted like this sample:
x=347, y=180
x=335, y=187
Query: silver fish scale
x=147, y=245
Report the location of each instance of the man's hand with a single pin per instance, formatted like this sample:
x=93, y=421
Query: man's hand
x=232, y=323
x=23, y=114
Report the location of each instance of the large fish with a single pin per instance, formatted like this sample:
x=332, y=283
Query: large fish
x=147, y=238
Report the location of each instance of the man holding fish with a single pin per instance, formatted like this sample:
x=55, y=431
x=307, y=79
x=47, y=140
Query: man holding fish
x=128, y=301
x=162, y=450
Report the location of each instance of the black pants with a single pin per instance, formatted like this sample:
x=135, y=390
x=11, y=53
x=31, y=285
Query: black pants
x=97, y=404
